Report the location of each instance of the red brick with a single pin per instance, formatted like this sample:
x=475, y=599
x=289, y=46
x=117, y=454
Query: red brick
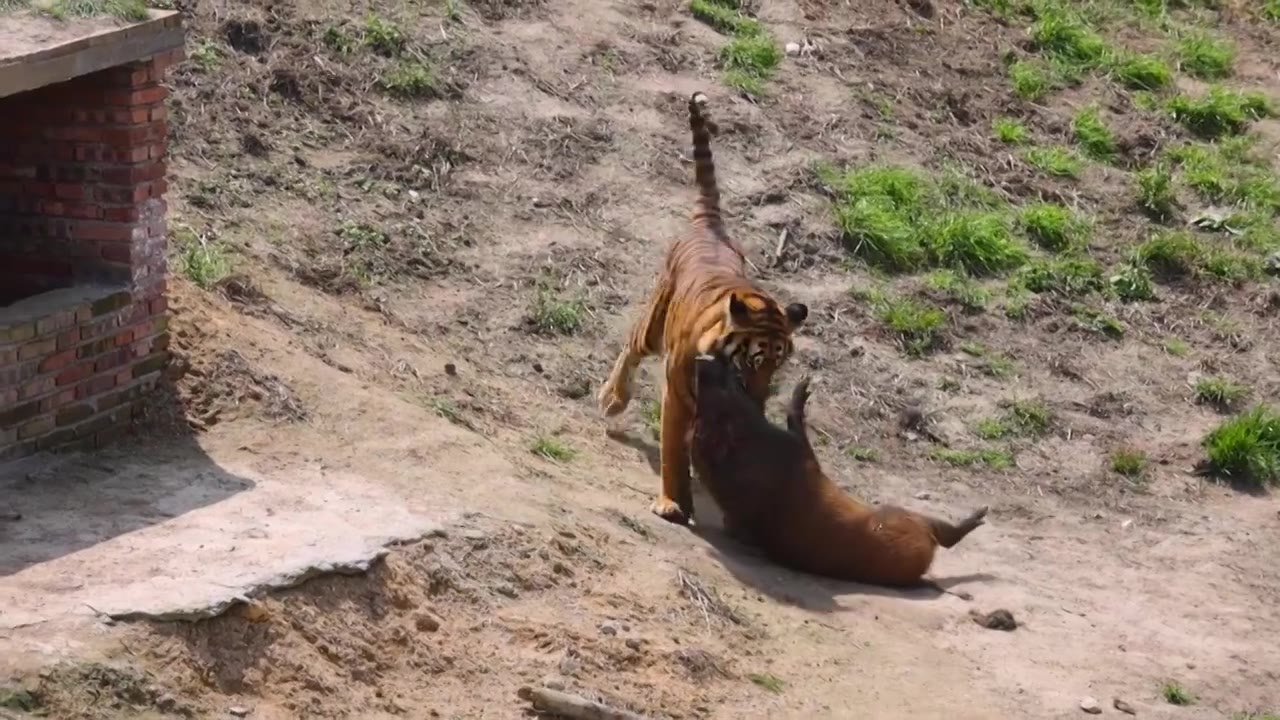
x=66, y=397
x=68, y=339
x=75, y=133
x=73, y=375
x=160, y=112
x=124, y=377
x=125, y=337
x=36, y=349
x=131, y=75
x=159, y=187
x=128, y=98
x=119, y=232
x=158, y=305
x=121, y=214
x=132, y=116
x=36, y=427
x=100, y=384
x=134, y=174
x=36, y=388
x=58, y=361
x=69, y=191
x=112, y=360
x=80, y=211
x=156, y=151
x=92, y=153
x=117, y=251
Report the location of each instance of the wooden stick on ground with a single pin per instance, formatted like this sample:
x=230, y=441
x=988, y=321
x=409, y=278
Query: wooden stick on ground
x=572, y=707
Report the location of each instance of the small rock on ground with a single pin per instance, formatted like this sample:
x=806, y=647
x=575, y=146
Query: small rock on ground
x=999, y=619
x=1123, y=706
x=1090, y=706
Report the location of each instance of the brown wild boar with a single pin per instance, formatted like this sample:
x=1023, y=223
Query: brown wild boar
x=773, y=493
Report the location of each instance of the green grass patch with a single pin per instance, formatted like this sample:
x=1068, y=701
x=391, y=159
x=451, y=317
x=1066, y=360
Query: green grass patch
x=1229, y=172
x=1033, y=79
x=1053, y=227
x=550, y=448
x=127, y=10
x=958, y=288
x=1009, y=131
x=994, y=459
x=725, y=17
x=862, y=454
x=200, y=260
x=1175, y=694
x=1156, y=196
x=552, y=315
x=1132, y=283
x=1246, y=448
x=991, y=364
x=205, y=55
x=1019, y=418
x=1054, y=160
x=751, y=58
x=410, y=79
x=977, y=242
x=916, y=325
x=651, y=413
x=1177, y=347
x=899, y=220
x=1129, y=463
x=1204, y=56
x=1097, y=321
x=383, y=36
x=1065, y=36
x=1170, y=255
x=1271, y=11
x=1221, y=393
x=1140, y=72
x=1072, y=276
x=1219, y=112
x=338, y=40
x=749, y=61
x=767, y=681
x=1093, y=135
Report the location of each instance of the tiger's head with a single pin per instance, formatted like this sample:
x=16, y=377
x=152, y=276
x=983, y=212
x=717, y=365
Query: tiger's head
x=755, y=336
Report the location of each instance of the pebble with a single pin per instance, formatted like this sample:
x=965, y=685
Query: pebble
x=924, y=495
x=239, y=711
x=426, y=621
x=450, y=369
x=999, y=619
x=1090, y=706
x=608, y=629
x=793, y=48
x=634, y=644
x=1123, y=706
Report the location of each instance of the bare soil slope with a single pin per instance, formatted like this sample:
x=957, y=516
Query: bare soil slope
x=394, y=218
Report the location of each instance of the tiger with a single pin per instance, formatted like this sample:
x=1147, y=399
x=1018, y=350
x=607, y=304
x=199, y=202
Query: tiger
x=702, y=302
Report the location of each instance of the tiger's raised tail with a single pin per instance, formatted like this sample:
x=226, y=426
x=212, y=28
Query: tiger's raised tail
x=707, y=210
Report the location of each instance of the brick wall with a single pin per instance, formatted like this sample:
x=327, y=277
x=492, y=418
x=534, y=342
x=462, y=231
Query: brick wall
x=82, y=183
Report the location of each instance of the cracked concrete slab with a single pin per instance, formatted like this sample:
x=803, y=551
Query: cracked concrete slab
x=176, y=536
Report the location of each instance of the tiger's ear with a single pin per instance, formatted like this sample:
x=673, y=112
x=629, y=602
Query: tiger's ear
x=797, y=313
x=739, y=313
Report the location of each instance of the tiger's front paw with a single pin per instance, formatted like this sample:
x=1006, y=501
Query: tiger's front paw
x=670, y=510
x=613, y=400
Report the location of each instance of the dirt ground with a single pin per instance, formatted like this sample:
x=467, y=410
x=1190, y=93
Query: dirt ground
x=382, y=316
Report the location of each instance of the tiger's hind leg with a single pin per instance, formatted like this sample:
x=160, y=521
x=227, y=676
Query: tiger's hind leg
x=645, y=339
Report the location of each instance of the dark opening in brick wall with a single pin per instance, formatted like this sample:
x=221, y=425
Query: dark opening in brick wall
x=82, y=255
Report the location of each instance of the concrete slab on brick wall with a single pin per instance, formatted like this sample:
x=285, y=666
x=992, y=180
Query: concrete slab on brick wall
x=36, y=51
x=175, y=535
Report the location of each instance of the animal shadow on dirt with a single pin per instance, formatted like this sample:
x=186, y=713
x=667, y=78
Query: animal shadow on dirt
x=56, y=505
